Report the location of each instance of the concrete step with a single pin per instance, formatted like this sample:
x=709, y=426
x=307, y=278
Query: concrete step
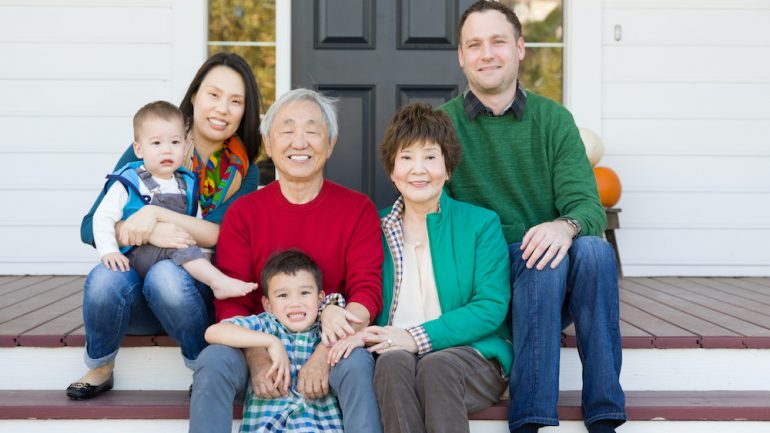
x=161, y=368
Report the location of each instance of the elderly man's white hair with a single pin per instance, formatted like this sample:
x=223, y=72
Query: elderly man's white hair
x=324, y=103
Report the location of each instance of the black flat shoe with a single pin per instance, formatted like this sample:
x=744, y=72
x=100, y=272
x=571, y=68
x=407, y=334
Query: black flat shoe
x=84, y=391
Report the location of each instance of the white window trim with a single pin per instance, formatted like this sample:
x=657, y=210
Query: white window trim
x=583, y=62
x=282, y=47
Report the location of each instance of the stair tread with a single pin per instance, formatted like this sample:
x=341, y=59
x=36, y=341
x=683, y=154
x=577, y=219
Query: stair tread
x=640, y=405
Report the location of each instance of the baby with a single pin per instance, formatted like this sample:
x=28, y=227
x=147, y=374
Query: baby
x=160, y=180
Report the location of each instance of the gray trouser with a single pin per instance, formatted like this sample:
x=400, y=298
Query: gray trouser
x=221, y=374
x=434, y=393
x=143, y=257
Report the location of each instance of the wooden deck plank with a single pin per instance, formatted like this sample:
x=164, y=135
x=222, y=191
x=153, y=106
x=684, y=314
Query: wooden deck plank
x=753, y=288
x=25, y=305
x=631, y=337
x=5, y=279
x=42, y=316
x=690, y=290
x=20, y=283
x=685, y=320
x=712, y=289
x=33, y=294
x=52, y=333
x=656, y=290
x=665, y=334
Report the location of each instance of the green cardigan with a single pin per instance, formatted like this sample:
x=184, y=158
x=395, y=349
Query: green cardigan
x=472, y=270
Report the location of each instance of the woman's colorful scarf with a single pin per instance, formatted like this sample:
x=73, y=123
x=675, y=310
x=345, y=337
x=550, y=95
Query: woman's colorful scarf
x=218, y=173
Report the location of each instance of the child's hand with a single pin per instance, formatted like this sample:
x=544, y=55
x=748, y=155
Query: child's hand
x=344, y=347
x=115, y=261
x=280, y=371
x=227, y=287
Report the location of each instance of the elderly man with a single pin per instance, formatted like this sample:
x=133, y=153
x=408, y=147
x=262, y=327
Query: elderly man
x=338, y=228
x=523, y=157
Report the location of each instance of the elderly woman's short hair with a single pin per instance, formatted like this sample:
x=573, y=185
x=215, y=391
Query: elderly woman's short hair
x=324, y=103
x=419, y=123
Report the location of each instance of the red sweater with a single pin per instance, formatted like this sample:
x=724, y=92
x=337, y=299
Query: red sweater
x=339, y=229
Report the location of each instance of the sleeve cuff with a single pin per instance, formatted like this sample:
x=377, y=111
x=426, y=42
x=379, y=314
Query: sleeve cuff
x=332, y=299
x=421, y=338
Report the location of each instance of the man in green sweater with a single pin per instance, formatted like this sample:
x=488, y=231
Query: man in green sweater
x=523, y=157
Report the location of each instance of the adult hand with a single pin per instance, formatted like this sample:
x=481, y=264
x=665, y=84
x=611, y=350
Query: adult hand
x=383, y=339
x=343, y=348
x=259, y=363
x=547, y=241
x=168, y=235
x=137, y=228
x=313, y=377
x=336, y=324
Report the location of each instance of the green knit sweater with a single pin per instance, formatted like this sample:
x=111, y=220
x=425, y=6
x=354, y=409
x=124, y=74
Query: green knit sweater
x=529, y=171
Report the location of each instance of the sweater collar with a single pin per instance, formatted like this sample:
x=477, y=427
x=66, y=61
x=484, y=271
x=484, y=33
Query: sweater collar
x=474, y=107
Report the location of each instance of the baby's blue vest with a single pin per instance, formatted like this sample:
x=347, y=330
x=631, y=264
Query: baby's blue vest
x=129, y=178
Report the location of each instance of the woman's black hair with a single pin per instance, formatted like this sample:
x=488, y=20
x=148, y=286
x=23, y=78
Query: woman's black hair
x=248, y=130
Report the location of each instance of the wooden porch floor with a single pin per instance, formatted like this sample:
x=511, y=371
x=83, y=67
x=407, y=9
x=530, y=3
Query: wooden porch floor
x=46, y=311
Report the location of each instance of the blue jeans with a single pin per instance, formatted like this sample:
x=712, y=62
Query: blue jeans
x=583, y=289
x=118, y=303
x=221, y=375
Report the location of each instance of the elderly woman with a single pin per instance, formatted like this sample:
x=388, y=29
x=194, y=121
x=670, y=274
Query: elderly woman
x=441, y=336
x=221, y=109
x=335, y=226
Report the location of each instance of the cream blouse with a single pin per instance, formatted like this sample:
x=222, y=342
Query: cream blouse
x=418, y=298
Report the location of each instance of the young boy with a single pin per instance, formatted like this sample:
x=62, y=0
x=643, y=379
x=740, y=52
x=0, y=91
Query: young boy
x=159, y=179
x=290, y=331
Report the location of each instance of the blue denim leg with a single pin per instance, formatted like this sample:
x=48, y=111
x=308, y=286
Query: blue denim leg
x=592, y=302
x=352, y=379
x=582, y=289
x=221, y=374
x=181, y=304
x=113, y=306
x=536, y=326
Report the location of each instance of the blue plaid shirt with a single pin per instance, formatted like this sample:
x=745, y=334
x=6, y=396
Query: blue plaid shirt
x=292, y=413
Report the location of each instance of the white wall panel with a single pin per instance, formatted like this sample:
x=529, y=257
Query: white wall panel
x=687, y=100
x=684, y=23
x=701, y=63
x=694, y=173
x=93, y=21
x=79, y=98
x=66, y=134
x=55, y=61
x=55, y=174
x=45, y=207
x=663, y=137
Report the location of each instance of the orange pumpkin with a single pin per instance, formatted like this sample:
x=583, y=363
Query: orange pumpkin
x=608, y=184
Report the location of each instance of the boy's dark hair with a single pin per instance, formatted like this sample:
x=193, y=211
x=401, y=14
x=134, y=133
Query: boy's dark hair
x=158, y=109
x=289, y=262
x=419, y=122
x=487, y=5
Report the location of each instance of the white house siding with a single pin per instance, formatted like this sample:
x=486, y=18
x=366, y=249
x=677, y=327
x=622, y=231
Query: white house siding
x=72, y=73
x=686, y=125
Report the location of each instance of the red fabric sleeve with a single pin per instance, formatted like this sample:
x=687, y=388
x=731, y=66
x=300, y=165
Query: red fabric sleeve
x=234, y=259
x=364, y=262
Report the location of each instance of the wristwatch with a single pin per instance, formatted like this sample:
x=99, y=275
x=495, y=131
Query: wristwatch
x=573, y=222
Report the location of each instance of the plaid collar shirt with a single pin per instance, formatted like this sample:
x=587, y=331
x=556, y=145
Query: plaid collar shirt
x=392, y=227
x=292, y=413
x=474, y=107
